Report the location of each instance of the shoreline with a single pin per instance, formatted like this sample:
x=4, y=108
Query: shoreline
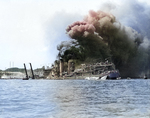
x=66, y=78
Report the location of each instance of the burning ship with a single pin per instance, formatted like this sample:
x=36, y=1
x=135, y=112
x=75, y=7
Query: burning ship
x=101, y=35
x=96, y=71
x=102, y=71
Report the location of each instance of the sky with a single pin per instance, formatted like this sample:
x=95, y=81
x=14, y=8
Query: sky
x=30, y=30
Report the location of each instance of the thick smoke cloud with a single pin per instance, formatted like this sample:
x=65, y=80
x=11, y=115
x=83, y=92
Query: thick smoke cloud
x=66, y=45
x=78, y=29
x=103, y=35
x=133, y=14
x=98, y=22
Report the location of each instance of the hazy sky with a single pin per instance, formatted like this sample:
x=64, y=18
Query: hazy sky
x=30, y=30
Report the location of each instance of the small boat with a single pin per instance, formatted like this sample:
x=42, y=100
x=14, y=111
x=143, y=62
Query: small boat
x=25, y=79
x=111, y=75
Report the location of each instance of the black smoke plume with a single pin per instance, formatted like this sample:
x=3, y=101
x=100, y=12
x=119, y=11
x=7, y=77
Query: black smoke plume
x=100, y=35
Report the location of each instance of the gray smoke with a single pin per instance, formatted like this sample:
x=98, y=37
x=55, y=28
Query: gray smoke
x=116, y=32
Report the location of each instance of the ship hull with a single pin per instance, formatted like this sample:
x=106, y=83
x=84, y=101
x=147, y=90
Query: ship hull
x=113, y=75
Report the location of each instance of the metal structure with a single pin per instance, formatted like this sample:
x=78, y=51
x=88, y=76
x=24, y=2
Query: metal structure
x=26, y=71
x=32, y=71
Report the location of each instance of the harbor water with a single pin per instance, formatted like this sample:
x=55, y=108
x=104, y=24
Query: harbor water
x=75, y=98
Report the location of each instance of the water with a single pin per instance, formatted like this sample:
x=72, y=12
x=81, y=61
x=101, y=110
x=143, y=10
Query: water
x=75, y=99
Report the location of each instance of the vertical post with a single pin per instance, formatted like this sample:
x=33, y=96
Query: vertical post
x=32, y=72
x=69, y=66
x=61, y=67
x=26, y=71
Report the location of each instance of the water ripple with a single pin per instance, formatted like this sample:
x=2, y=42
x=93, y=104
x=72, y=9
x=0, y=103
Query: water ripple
x=74, y=99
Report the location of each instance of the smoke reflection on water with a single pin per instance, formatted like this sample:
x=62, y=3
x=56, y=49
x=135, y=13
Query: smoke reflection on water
x=75, y=99
x=108, y=99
